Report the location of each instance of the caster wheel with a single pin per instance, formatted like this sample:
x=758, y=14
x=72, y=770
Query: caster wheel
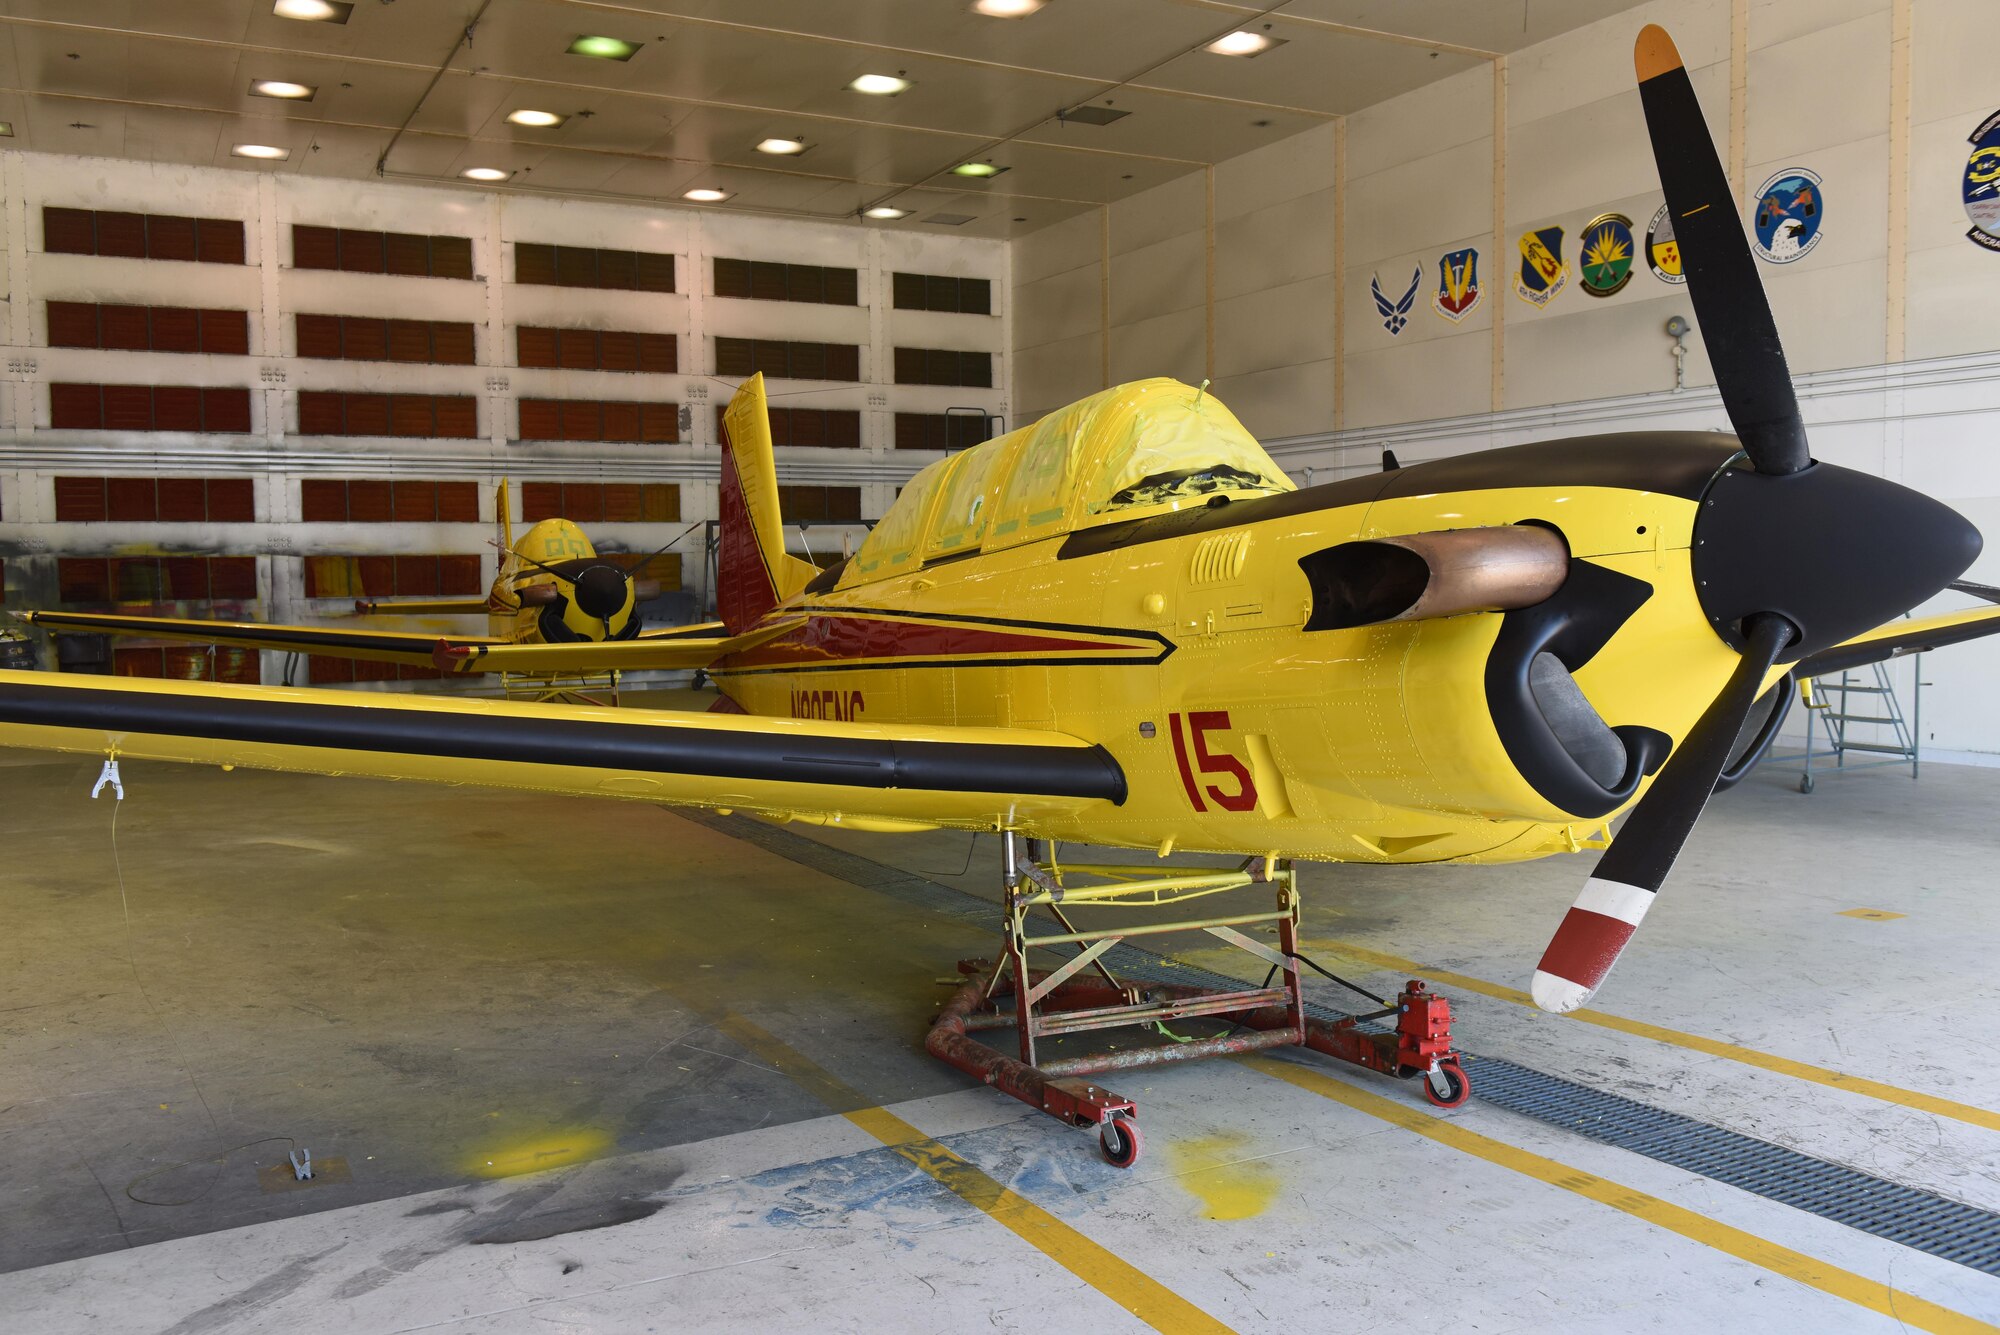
x=1457, y=1088
x=1805, y=783
x=1121, y=1142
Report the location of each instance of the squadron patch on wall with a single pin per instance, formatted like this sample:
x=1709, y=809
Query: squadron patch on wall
x=1790, y=210
x=1607, y=254
x=1396, y=314
x=1458, y=285
x=1663, y=252
x=1543, y=273
x=1982, y=184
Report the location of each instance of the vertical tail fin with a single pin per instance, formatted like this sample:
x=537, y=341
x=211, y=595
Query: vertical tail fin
x=506, y=517
x=753, y=573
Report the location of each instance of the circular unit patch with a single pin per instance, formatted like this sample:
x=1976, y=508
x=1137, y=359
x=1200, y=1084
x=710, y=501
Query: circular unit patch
x=1982, y=184
x=1663, y=252
x=1791, y=209
x=1606, y=261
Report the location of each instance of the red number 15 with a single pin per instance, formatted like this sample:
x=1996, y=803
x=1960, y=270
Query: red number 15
x=1199, y=724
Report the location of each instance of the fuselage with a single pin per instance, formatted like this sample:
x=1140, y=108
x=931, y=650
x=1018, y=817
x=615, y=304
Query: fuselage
x=562, y=546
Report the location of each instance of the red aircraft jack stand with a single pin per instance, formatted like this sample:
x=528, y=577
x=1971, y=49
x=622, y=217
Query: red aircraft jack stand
x=1041, y=1004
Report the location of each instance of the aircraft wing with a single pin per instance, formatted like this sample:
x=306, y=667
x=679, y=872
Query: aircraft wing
x=1898, y=638
x=422, y=606
x=847, y=773
x=640, y=654
x=374, y=645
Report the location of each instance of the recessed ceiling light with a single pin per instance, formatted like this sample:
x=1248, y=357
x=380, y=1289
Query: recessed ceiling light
x=6, y=129
x=1243, y=43
x=485, y=174
x=885, y=212
x=297, y=92
x=704, y=195
x=264, y=151
x=313, y=11
x=1007, y=9
x=976, y=169
x=604, y=48
x=782, y=147
x=539, y=119
x=882, y=85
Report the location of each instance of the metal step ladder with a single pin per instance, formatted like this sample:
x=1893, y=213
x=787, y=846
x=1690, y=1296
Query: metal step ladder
x=1862, y=701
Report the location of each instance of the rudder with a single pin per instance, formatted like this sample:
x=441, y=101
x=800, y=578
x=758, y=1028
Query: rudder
x=753, y=572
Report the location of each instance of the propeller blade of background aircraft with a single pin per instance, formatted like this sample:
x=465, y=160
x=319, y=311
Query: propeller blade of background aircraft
x=1615, y=898
x=1986, y=591
x=1729, y=302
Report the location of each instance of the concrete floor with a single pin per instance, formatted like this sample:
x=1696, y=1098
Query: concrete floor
x=603, y=1066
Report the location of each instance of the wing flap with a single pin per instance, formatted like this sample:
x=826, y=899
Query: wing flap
x=384, y=646
x=968, y=777
x=1899, y=638
x=635, y=655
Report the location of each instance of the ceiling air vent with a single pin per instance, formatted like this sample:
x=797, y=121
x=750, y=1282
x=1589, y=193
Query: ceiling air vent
x=949, y=219
x=1094, y=115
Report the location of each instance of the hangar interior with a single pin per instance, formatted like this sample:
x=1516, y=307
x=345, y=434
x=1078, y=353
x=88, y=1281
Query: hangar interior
x=297, y=287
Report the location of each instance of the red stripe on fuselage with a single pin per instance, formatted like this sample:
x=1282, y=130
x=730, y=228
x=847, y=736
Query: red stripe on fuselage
x=824, y=640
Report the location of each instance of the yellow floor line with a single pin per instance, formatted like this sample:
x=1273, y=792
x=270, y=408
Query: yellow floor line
x=1819, y=1075
x=1797, y=1266
x=1132, y=1289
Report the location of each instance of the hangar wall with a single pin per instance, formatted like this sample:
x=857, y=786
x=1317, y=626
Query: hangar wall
x=487, y=414
x=1891, y=323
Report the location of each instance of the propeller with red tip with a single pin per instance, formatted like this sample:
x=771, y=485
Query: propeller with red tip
x=1791, y=556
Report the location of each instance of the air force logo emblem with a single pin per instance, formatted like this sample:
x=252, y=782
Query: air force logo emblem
x=1396, y=314
x=1982, y=185
x=1663, y=251
x=1458, y=285
x=1791, y=209
x=1543, y=273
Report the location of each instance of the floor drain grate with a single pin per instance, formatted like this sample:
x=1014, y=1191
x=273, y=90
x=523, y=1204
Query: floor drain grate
x=1918, y=1219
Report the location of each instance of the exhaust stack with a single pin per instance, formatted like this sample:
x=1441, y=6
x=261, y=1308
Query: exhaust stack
x=1425, y=575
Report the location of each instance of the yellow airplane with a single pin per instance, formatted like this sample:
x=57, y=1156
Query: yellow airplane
x=554, y=594
x=1125, y=625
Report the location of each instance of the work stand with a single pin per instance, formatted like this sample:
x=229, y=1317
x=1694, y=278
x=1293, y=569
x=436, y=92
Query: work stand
x=1081, y=993
x=583, y=688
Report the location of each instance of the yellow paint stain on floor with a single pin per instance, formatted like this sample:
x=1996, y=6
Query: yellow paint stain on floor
x=554, y=1148
x=1218, y=1172
x=1872, y=915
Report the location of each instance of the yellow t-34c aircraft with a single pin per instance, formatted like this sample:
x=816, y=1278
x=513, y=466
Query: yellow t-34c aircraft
x=1124, y=625
x=554, y=595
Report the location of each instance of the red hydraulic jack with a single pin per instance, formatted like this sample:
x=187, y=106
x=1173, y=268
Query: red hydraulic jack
x=1053, y=1003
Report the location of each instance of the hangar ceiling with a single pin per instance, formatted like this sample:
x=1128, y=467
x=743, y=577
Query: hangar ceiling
x=421, y=90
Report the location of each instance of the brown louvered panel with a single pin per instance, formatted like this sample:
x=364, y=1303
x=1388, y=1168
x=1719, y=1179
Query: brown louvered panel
x=363, y=339
x=76, y=407
x=541, y=500
x=409, y=340
x=72, y=324
x=843, y=429
x=367, y=671
x=83, y=579
x=457, y=416
x=843, y=287
x=323, y=500
x=80, y=499
x=315, y=247
x=659, y=423
x=735, y=357
x=367, y=415
x=582, y=419
x=403, y=253
x=377, y=575
x=326, y=577
x=660, y=502
x=576, y=349
x=941, y=367
x=910, y=431
x=621, y=503
x=975, y=296
x=451, y=257
x=178, y=328
x=534, y=263
x=659, y=354
x=124, y=327
x=534, y=347
x=767, y=281
x=121, y=234
x=976, y=369
x=541, y=419
x=618, y=350
x=772, y=356
x=131, y=498
x=177, y=408
x=843, y=505
x=322, y=413
x=452, y=343
x=415, y=502
x=137, y=661
x=656, y=273
x=576, y=266
x=802, y=504
x=732, y=278
x=583, y=502
x=185, y=662
x=617, y=270
x=940, y=293
x=225, y=332
x=369, y=501
x=459, y=575
x=412, y=415
x=360, y=251
x=218, y=240
x=318, y=335
x=417, y=575
x=225, y=410
x=458, y=502
x=232, y=577
x=135, y=579
x=808, y=427
x=805, y=282
x=184, y=578
x=128, y=407
x=69, y=231
x=231, y=500
x=807, y=361
x=170, y=238
x=843, y=361
x=237, y=665
x=779, y=423
x=623, y=421
x=182, y=500
x=908, y=291
x=910, y=366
